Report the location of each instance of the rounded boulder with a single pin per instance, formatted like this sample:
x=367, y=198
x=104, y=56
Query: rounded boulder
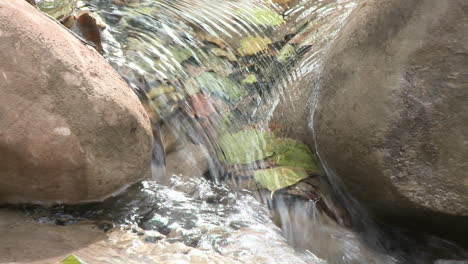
x=391, y=122
x=71, y=130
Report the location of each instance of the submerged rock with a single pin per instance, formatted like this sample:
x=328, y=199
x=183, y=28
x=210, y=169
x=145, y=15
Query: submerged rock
x=71, y=130
x=26, y=241
x=392, y=114
x=191, y=161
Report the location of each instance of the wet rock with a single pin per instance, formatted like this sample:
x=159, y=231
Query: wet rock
x=187, y=162
x=291, y=116
x=447, y=261
x=71, y=130
x=32, y=2
x=392, y=117
x=26, y=241
x=172, y=139
x=313, y=189
x=89, y=29
x=58, y=9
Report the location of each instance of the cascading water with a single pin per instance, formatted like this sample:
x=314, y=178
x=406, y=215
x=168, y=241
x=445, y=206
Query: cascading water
x=210, y=74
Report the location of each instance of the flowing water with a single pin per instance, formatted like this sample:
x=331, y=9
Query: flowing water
x=206, y=70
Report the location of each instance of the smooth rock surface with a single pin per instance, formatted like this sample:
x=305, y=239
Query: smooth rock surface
x=291, y=116
x=71, y=130
x=392, y=116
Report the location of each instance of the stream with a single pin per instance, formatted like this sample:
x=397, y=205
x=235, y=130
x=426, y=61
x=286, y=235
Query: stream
x=206, y=71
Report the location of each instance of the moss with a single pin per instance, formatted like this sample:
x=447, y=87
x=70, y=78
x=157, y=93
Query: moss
x=280, y=177
x=253, y=45
x=262, y=16
x=212, y=82
x=289, y=152
x=246, y=146
x=72, y=259
x=250, y=79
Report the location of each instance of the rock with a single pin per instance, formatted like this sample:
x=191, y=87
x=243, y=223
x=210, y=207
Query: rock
x=25, y=241
x=291, y=117
x=447, y=261
x=392, y=115
x=89, y=29
x=71, y=130
x=190, y=161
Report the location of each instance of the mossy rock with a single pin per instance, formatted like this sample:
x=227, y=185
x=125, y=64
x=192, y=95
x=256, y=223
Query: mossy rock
x=293, y=153
x=262, y=16
x=58, y=9
x=212, y=82
x=277, y=178
x=246, y=146
x=253, y=45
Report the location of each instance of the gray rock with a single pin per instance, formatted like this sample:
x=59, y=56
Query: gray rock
x=71, y=130
x=291, y=114
x=392, y=115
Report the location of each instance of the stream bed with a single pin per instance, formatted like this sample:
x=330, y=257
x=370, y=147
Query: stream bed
x=210, y=74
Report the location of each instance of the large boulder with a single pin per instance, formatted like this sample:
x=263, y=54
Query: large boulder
x=290, y=117
x=71, y=130
x=392, y=115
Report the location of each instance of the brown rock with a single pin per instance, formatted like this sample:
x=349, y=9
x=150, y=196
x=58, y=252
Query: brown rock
x=89, y=29
x=71, y=130
x=392, y=114
x=190, y=161
x=26, y=241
